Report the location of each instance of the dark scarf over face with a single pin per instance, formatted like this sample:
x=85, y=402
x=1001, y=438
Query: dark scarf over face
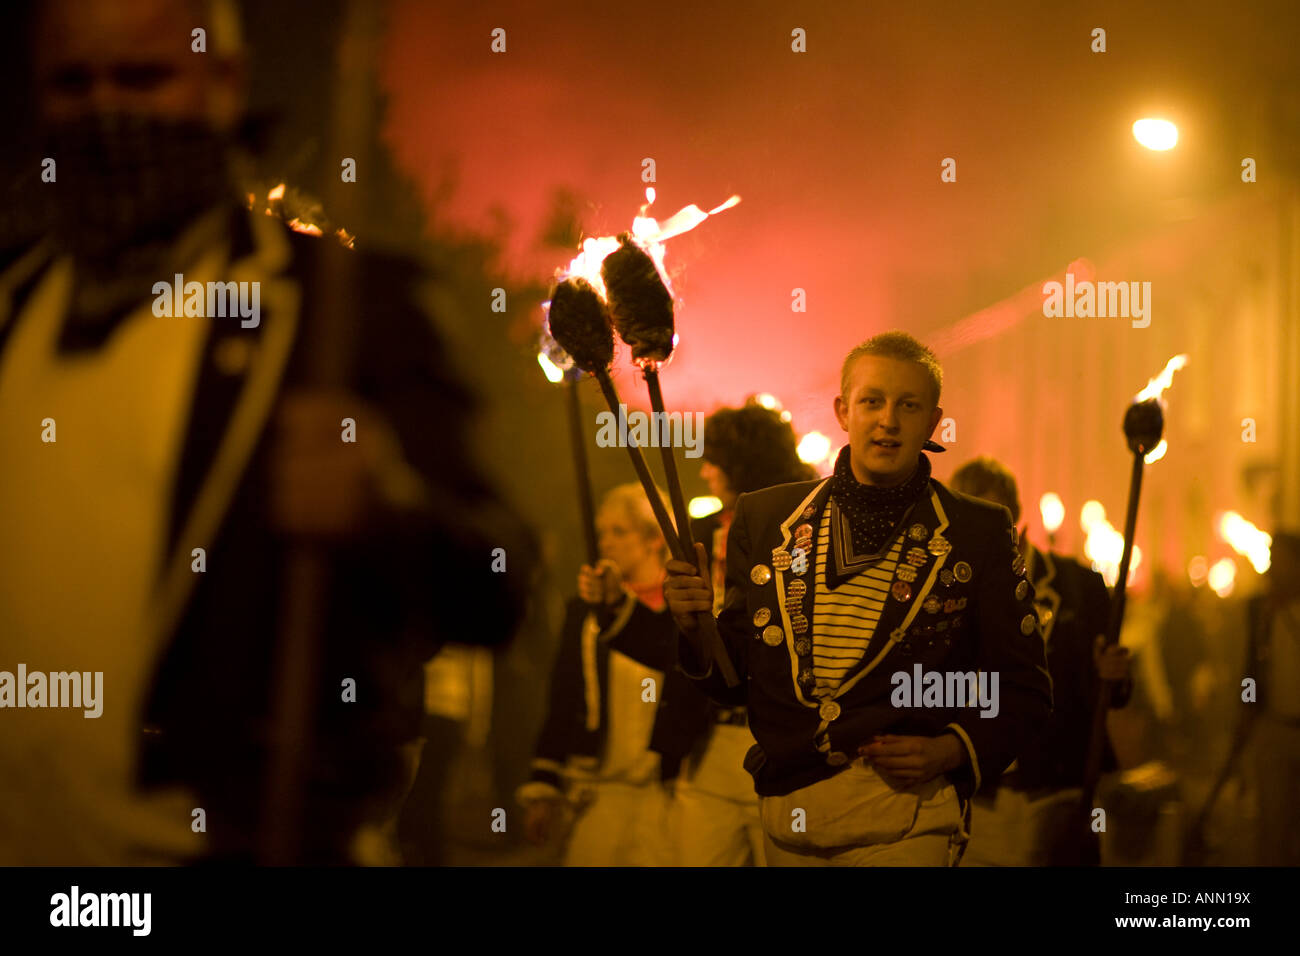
x=874, y=516
x=126, y=187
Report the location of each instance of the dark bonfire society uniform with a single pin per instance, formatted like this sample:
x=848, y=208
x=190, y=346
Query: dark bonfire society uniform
x=1031, y=816
x=851, y=612
x=594, y=745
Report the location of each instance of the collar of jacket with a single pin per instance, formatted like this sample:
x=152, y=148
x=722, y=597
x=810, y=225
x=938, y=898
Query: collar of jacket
x=896, y=617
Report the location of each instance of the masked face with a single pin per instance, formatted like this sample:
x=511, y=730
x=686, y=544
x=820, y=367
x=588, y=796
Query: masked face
x=127, y=180
x=131, y=116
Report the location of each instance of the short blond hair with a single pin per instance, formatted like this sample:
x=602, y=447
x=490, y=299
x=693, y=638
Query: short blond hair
x=630, y=499
x=894, y=345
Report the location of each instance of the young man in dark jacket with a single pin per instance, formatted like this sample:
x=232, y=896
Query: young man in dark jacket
x=884, y=633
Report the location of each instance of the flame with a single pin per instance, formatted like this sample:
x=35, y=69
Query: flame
x=1223, y=576
x=1053, y=511
x=1104, y=545
x=1091, y=512
x=297, y=225
x=704, y=506
x=1155, y=454
x=813, y=448
x=1156, y=386
x=586, y=264
x=1198, y=570
x=277, y=192
x=553, y=373
x=647, y=232
x=1246, y=539
x=555, y=362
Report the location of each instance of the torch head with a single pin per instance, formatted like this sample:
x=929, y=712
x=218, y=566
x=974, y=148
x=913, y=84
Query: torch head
x=579, y=322
x=639, y=303
x=1144, y=423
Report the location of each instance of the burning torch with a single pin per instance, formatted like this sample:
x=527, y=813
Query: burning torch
x=637, y=301
x=1144, y=425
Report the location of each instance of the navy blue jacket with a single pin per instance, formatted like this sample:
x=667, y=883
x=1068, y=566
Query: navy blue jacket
x=995, y=629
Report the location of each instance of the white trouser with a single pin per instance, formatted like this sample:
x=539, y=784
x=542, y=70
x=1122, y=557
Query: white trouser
x=856, y=819
x=1013, y=830
x=623, y=825
x=717, y=809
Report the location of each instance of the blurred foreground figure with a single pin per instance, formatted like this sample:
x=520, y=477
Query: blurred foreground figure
x=704, y=745
x=1031, y=816
x=593, y=758
x=159, y=462
x=846, y=601
x=1274, y=663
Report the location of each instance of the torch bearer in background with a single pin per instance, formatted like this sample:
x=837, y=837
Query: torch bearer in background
x=1144, y=424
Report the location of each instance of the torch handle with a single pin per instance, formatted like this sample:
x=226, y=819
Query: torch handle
x=712, y=641
x=708, y=626
x=670, y=464
x=643, y=472
x=586, y=509
x=1102, y=696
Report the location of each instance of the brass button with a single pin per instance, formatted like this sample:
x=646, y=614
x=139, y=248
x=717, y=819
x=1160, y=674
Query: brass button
x=829, y=710
x=760, y=574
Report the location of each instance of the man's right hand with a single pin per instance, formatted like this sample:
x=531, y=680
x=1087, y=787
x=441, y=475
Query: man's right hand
x=687, y=592
x=601, y=584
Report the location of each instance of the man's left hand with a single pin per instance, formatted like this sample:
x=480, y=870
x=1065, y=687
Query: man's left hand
x=1111, y=661
x=907, y=761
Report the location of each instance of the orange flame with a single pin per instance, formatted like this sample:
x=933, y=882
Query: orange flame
x=277, y=192
x=1156, y=386
x=297, y=225
x=647, y=232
